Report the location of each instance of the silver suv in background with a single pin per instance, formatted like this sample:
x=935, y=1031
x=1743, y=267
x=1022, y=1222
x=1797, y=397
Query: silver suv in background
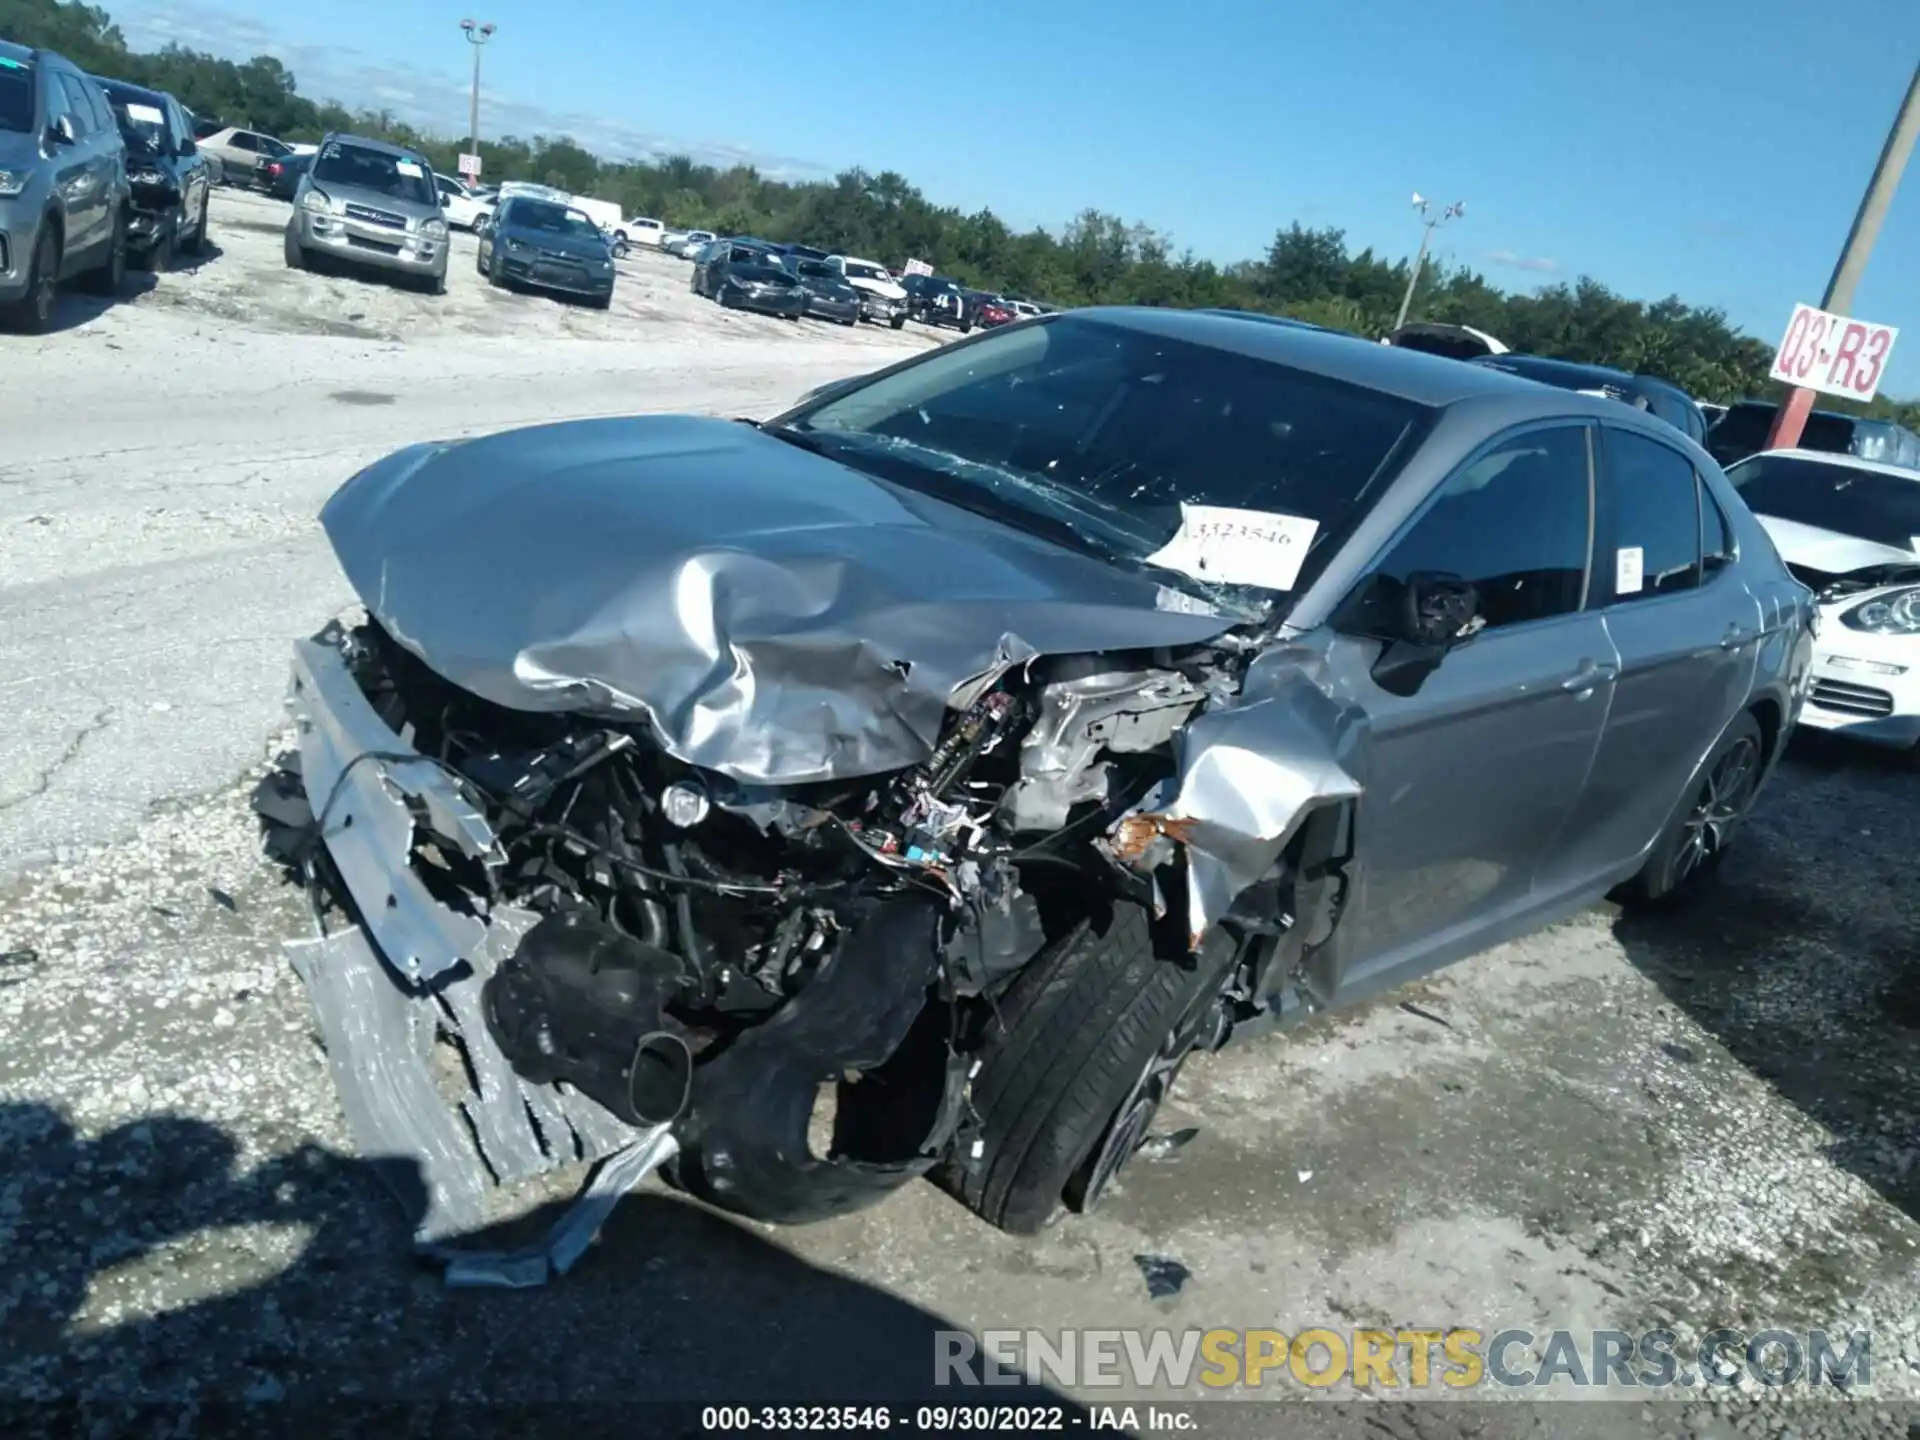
x=373, y=205
x=63, y=185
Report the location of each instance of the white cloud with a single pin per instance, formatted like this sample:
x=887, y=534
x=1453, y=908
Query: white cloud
x=1513, y=261
x=433, y=101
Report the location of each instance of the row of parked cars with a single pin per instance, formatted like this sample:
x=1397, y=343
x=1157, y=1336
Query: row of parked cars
x=95, y=174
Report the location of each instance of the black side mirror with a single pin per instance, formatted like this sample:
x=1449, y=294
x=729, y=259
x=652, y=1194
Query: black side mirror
x=60, y=132
x=1435, y=613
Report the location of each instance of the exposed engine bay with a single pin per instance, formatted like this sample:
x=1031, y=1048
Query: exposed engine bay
x=793, y=979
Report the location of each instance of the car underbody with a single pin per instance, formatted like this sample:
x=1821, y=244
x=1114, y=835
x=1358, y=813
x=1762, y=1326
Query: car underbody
x=547, y=939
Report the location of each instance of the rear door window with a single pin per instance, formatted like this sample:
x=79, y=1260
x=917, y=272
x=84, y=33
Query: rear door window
x=241, y=140
x=1650, y=520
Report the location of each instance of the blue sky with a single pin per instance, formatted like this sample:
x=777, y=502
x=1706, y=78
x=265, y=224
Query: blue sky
x=1710, y=148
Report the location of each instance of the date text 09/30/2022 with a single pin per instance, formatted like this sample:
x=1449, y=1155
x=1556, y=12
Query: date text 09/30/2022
x=943, y=1419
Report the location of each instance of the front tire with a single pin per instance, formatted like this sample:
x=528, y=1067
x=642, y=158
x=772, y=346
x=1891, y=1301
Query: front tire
x=32, y=313
x=297, y=255
x=1708, y=817
x=897, y=322
x=1095, y=1032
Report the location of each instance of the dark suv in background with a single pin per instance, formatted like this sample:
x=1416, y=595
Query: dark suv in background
x=1743, y=431
x=937, y=300
x=63, y=185
x=168, y=177
x=1662, y=399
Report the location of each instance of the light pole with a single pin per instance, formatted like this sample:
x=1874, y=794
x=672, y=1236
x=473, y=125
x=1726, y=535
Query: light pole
x=1432, y=223
x=477, y=33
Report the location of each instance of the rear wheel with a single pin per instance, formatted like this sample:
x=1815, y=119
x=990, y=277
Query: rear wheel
x=1095, y=1032
x=1708, y=817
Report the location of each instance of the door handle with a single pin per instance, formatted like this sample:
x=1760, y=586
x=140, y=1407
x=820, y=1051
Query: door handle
x=1589, y=675
x=1735, y=637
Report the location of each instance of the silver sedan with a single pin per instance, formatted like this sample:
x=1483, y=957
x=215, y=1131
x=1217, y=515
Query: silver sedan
x=995, y=731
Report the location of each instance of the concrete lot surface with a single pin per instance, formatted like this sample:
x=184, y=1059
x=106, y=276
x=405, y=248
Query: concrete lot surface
x=1712, y=1118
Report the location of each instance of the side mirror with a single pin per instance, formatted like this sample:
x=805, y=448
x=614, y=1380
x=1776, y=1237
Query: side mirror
x=188, y=147
x=1436, y=612
x=61, y=131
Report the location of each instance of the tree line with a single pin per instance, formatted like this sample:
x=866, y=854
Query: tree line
x=1310, y=274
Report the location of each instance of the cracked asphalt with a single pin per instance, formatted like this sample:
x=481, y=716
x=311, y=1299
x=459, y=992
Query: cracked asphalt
x=1707, y=1118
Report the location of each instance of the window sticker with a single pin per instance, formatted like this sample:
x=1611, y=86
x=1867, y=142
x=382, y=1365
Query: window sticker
x=408, y=169
x=1629, y=566
x=148, y=113
x=1238, y=547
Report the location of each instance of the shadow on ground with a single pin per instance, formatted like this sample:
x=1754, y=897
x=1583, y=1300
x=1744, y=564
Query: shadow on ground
x=115, y=1290
x=74, y=307
x=1802, y=955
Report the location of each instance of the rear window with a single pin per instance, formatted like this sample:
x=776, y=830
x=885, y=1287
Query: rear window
x=16, y=96
x=399, y=177
x=1865, y=504
x=143, y=124
x=817, y=270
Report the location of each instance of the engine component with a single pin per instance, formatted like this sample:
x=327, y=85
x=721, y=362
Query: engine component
x=1122, y=712
x=582, y=1002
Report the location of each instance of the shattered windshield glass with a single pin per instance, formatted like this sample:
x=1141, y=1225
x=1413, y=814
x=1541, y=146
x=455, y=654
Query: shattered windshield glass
x=1118, y=435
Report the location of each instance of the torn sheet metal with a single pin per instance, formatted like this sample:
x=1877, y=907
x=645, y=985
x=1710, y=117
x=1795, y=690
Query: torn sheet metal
x=364, y=784
x=441, y=1156
x=1248, y=773
x=773, y=615
x=572, y=1233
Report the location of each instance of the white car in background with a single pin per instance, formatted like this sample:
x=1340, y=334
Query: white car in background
x=1849, y=529
x=461, y=208
x=883, y=299
x=641, y=230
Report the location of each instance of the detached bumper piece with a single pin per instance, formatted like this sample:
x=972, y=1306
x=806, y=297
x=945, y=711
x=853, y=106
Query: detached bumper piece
x=400, y=999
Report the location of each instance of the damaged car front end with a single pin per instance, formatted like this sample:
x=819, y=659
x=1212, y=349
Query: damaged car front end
x=905, y=786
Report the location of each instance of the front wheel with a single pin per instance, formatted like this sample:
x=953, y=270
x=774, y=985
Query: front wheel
x=1708, y=817
x=897, y=322
x=1086, y=1045
x=296, y=254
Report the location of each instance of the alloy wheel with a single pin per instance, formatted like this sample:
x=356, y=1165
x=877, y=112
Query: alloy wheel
x=1205, y=1021
x=1719, y=807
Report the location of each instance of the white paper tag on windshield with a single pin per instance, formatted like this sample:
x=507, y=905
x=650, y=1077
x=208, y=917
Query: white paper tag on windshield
x=1629, y=564
x=407, y=168
x=148, y=113
x=1238, y=547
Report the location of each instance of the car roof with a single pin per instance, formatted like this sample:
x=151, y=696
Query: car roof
x=1409, y=374
x=364, y=142
x=1562, y=369
x=1770, y=405
x=127, y=87
x=21, y=53
x=1839, y=459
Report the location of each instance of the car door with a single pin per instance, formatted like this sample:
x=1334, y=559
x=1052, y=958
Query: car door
x=1470, y=779
x=1687, y=631
x=80, y=174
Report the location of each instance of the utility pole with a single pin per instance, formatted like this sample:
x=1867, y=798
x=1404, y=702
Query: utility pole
x=1432, y=223
x=477, y=36
x=1791, y=418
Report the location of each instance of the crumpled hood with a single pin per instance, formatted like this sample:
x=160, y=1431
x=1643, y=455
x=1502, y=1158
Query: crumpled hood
x=1828, y=551
x=774, y=615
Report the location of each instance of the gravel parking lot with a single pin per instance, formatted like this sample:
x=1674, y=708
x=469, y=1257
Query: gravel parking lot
x=1708, y=1119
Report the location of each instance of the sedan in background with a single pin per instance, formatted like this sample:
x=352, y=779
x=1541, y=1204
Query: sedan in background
x=829, y=295
x=242, y=154
x=758, y=282
x=990, y=312
x=283, y=177
x=689, y=243
x=167, y=176
x=544, y=245
x=1849, y=529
